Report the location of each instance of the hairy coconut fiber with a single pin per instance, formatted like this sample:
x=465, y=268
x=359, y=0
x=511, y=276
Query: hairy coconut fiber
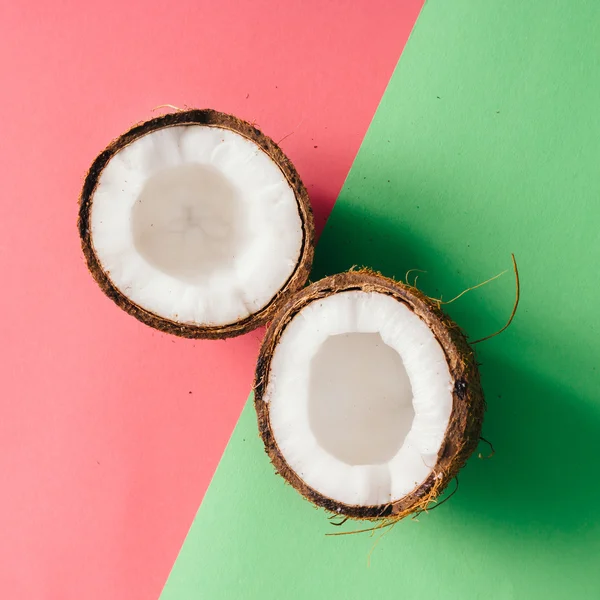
x=208, y=118
x=468, y=406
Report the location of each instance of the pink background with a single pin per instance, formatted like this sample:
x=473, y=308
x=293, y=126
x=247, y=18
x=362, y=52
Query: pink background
x=110, y=431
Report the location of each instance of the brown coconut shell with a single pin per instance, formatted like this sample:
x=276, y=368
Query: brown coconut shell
x=208, y=118
x=464, y=429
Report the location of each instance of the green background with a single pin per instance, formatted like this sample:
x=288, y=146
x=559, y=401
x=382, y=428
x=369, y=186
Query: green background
x=486, y=142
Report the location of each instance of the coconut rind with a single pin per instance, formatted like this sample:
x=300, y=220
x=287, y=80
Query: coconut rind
x=468, y=404
x=210, y=118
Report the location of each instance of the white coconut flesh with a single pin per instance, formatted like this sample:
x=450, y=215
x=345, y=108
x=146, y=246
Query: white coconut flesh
x=196, y=224
x=360, y=397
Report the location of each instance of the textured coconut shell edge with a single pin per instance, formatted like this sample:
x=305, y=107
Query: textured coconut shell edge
x=209, y=118
x=468, y=404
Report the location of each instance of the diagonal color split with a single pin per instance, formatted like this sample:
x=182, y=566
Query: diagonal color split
x=485, y=142
x=111, y=431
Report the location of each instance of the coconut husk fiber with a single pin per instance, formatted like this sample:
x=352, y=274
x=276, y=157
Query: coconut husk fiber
x=208, y=118
x=468, y=405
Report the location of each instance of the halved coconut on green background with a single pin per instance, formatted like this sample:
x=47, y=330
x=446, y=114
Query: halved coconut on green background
x=368, y=396
x=197, y=224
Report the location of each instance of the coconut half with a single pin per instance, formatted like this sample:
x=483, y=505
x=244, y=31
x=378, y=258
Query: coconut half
x=367, y=396
x=197, y=224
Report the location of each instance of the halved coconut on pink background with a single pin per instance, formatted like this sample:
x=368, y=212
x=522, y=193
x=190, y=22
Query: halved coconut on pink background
x=197, y=224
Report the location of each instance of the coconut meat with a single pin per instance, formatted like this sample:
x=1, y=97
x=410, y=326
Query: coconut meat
x=196, y=224
x=360, y=397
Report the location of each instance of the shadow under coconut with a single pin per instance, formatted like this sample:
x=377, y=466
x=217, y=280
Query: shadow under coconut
x=542, y=477
x=359, y=236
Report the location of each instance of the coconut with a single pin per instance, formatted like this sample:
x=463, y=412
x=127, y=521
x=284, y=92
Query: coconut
x=197, y=224
x=368, y=396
